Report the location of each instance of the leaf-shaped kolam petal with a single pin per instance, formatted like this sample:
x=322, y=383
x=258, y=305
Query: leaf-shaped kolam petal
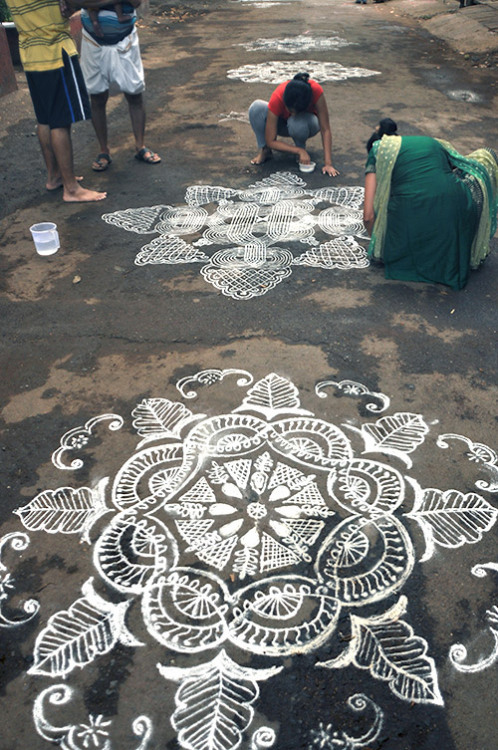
x=341, y=252
x=367, y=487
x=271, y=396
x=155, y=418
x=140, y=220
x=76, y=636
x=169, y=249
x=310, y=441
x=186, y=610
x=283, y=615
x=365, y=560
x=133, y=550
x=64, y=511
x=214, y=702
x=386, y=646
x=398, y=435
x=451, y=519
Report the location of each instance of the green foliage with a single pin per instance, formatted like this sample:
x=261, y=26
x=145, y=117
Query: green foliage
x=4, y=11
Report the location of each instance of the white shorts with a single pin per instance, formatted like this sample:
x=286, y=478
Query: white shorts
x=114, y=68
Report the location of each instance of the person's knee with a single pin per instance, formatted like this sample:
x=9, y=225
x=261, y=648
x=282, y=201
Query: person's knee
x=302, y=126
x=134, y=100
x=99, y=100
x=258, y=107
x=297, y=128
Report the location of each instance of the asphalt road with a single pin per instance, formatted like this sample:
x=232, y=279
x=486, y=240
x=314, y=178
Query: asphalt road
x=240, y=490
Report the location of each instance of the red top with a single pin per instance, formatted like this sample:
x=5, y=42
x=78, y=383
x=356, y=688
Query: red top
x=277, y=106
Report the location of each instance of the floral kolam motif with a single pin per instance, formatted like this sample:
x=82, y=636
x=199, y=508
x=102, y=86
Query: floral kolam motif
x=252, y=533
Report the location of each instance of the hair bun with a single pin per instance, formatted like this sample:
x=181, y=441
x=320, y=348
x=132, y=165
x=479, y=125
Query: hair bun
x=304, y=77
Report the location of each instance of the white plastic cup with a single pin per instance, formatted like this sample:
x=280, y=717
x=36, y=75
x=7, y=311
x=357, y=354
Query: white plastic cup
x=45, y=237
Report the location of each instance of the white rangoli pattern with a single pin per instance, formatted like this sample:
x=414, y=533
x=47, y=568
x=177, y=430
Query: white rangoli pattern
x=209, y=377
x=257, y=232
x=277, y=71
x=479, y=453
x=327, y=738
x=266, y=3
x=233, y=115
x=78, y=437
x=94, y=734
x=250, y=534
x=458, y=652
x=263, y=738
x=17, y=541
x=295, y=44
x=354, y=389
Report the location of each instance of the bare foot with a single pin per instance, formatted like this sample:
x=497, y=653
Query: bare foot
x=82, y=195
x=57, y=183
x=263, y=155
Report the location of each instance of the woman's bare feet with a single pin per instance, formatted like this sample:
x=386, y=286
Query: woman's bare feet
x=263, y=155
x=82, y=195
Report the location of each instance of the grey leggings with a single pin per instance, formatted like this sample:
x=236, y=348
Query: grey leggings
x=299, y=127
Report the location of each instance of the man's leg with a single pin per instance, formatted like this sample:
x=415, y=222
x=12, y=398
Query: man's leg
x=137, y=116
x=53, y=171
x=99, y=119
x=60, y=139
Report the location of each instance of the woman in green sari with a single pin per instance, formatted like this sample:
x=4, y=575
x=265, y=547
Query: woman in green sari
x=430, y=211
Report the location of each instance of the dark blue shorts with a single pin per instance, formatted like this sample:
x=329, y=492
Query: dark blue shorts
x=59, y=96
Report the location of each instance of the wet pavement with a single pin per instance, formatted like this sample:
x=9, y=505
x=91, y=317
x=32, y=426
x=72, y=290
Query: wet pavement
x=249, y=485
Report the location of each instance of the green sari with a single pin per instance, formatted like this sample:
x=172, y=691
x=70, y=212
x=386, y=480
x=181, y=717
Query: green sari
x=435, y=210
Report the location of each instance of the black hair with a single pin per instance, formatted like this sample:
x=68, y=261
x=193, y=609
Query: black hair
x=385, y=127
x=297, y=93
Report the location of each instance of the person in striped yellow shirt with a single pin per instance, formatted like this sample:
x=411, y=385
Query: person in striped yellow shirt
x=50, y=61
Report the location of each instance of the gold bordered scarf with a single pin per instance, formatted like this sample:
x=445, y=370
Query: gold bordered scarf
x=482, y=165
x=386, y=152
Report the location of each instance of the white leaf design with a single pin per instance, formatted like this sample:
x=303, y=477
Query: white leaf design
x=74, y=637
x=214, y=702
x=65, y=510
x=158, y=417
x=452, y=519
x=386, y=646
x=273, y=395
x=398, y=434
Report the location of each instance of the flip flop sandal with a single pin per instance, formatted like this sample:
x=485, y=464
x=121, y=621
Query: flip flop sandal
x=147, y=155
x=103, y=161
